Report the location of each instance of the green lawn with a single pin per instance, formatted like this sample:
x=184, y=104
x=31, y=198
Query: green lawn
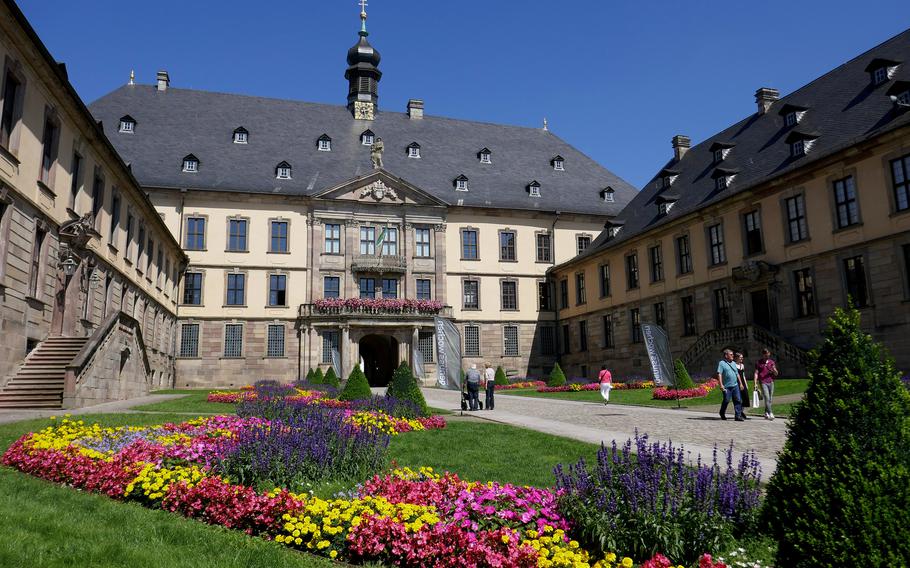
x=194, y=401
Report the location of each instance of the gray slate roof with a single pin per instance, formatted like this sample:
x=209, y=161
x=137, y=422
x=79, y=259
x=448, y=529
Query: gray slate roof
x=844, y=108
x=178, y=122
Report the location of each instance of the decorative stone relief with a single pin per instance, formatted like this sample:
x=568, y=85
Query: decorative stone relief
x=378, y=191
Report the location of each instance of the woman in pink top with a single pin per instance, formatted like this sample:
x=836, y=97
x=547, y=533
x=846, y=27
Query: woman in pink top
x=765, y=373
x=606, y=383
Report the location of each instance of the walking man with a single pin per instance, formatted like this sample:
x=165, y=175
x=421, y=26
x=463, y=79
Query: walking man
x=489, y=376
x=473, y=380
x=727, y=372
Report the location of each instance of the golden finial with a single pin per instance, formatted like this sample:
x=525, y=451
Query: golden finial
x=132, y=77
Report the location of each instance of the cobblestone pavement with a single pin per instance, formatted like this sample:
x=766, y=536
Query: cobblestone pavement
x=697, y=431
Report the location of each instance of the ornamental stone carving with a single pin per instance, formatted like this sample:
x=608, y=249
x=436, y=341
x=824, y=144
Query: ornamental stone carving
x=379, y=191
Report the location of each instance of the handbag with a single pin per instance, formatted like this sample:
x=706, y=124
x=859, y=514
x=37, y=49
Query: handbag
x=755, y=398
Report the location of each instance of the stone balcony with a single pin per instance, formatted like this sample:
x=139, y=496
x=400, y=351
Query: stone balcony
x=381, y=264
x=374, y=310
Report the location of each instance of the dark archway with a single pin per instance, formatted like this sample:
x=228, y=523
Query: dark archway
x=380, y=357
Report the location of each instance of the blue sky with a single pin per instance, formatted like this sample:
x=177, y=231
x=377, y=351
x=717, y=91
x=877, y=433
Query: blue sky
x=617, y=79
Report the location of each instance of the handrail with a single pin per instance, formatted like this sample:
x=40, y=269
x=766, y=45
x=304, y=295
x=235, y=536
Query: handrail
x=98, y=337
x=771, y=340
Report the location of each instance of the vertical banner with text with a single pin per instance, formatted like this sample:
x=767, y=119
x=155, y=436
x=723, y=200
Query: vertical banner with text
x=448, y=354
x=658, y=345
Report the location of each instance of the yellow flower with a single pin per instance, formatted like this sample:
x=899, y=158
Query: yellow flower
x=627, y=562
x=505, y=539
x=610, y=557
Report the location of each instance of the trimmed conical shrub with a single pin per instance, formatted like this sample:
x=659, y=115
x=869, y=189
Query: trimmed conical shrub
x=357, y=387
x=557, y=377
x=331, y=378
x=840, y=493
x=309, y=375
x=683, y=380
x=404, y=387
x=317, y=379
x=501, y=378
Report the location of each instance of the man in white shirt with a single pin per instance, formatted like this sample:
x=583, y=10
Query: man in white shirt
x=489, y=376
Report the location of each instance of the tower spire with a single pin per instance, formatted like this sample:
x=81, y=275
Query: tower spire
x=363, y=73
x=363, y=16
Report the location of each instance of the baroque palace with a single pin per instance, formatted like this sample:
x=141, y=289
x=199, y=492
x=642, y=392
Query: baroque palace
x=172, y=237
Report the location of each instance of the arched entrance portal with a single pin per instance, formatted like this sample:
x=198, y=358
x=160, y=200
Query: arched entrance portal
x=380, y=357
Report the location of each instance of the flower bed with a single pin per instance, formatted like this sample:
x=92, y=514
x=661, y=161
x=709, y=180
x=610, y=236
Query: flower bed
x=521, y=385
x=578, y=387
x=701, y=390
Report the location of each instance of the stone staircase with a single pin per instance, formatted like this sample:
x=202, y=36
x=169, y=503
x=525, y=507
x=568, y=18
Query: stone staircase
x=39, y=382
x=706, y=351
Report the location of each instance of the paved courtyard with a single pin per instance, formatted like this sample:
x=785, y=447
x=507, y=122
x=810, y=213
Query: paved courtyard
x=591, y=422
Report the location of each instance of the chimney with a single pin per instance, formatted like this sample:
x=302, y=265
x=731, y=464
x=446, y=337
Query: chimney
x=765, y=97
x=681, y=144
x=415, y=109
x=163, y=80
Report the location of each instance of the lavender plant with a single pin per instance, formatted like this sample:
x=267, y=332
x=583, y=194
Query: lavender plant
x=655, y=502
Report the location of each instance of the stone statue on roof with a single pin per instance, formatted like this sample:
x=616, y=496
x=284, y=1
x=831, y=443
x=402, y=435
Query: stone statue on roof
x=376, y=153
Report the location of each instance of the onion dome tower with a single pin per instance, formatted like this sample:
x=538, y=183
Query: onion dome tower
x=363, y=73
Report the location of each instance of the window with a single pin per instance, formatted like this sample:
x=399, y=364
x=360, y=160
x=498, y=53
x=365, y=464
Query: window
x=534, y=189
x=664, y=207
x=880, y=75
x=580, y=295
x=559, y=164
x=389, y=239
x=510, y=341
x=721, y=308
x=660, y=314
x=657, y=263
x=426, y=345
x=329, y=345
x=76, y=179
x=130, y=225
x=609, y=340
x=635, y=319
x=331, y=287
x=127, y=125
x=469, y=244
x=752, y=228
x=632, y=271
x=368, y=240
x=279, y=236
x=283, y=171
x=563, y=294
x=278, y=290
x=37, y=258
x=583, y=335
x=423, y=289
x=148, y=259
x=233, y=340
x=582, y=243
x=367, y=287
x=900, y=177
x=390, y=288
x=189, y=340
x=241, y=136
x=324, y=143
x=461, y=183
x=608, y=195
x=720, y=182
x=195, y=233
x=97, y=195
x=275, y=346
x=333, y=239
x=471, y=299
x=805, y=293
x=509, y=295
x=115, y=217
x=716, y=244
x=367, y=138
x=506, y=245
x=422, y=238
x=413, y=150
x=485, y=156
x=566, y=345
x=472, y=341
x=236, y=289
x=904, y=248
x=547, y=341
x=140, y=246
x=797, y=230
x=855, y=280
x=191, y=164
x=688, y=312
x=718, y=155
x=192, y=289
x=904, y=97
x=845, y=202
x=798, y=148
x=10, y=117
x=160, y=266
x=544, y=301
x=604, y=271
x=49, y=149
x=237, y=235
x=544, y=250
x=790, y=118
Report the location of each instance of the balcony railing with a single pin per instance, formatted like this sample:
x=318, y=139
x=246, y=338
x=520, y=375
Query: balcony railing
x=376, y=263
x=365, y=307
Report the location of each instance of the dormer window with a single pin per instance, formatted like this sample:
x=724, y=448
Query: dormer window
x=792, y=114
x=485, y=156
x=608, y=194
x=241, y=136
x=723, y=177
x=720, y=182
x=791, y=118
x=666, y=177
x=880, y=70
x=801, y=143
x=461, y=183
x=534, y=189
x=367, y=138
x=900, y=94
x=324, y=143
x=191, y=164
x=720, y=151
x=613, y=228
x=127, y=125
x=413, y=150
x=880, y=75
x=665, y=202
x=558, y=163
x=283, y=171
x=798, y=148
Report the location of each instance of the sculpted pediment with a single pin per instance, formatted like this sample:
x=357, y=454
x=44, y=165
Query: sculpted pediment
x=380, y=187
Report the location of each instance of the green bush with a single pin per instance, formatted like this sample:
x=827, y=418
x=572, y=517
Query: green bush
x=331, y=378
x=683, y=380
x=501, y=378
x=840, y=493
x=404, y=387
x=357, y=387
x=309, y=375
x=557, y=377
x=318, y=379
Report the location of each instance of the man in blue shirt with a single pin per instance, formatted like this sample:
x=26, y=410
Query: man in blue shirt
x=726, y=374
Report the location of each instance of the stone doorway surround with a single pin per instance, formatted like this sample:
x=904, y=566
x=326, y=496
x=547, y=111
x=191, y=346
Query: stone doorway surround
x=379, y=354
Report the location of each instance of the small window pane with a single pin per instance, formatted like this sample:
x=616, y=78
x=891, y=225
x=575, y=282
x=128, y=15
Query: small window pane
x=192, y=288
x=471, y=298
x=278, y=289
x=333, y=239
x=189, y=340
x=472, y=341
x=423, y=289
x=237, y=235
x=469, y=244
x=422, y=238
x=426, y=345
x=510, y=340
x=276, y=341
x=233, y=340
x=509, y=295
x=329, y=344
x=279, y=241
x=331, y=285
x=506, y=245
